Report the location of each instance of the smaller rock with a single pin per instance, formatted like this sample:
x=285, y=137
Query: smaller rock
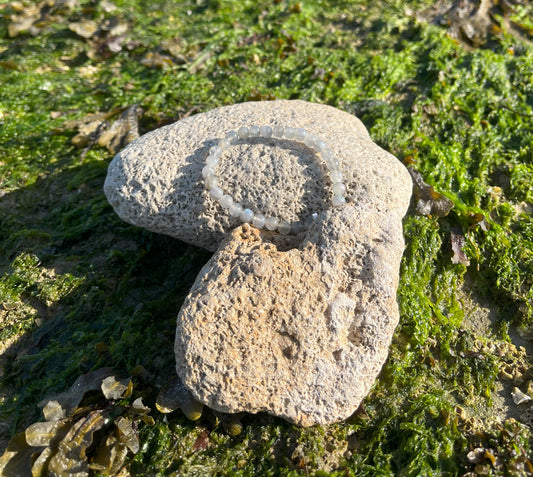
x=300, y=334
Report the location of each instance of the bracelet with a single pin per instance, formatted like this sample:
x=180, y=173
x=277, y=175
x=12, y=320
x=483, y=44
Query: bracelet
x=300, y=135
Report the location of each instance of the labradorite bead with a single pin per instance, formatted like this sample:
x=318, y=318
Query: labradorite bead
x=277, y=131
x=211, y=182
x=289, y=132
x=336, y=176
x=212, y=161
x=208, y=171
x=243, y=132
x=215, y=151
x=271, y=223
x=338, y=200
x=232, y=137
x=284, y=227
x=226, y=201
x=300, y=134
x=339, y=188
x=247, y=215
x=235, y=209
x=259, y=221
x=216, y=192
x=266, y=131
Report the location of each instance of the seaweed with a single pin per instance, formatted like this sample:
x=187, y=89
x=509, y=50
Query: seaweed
x=81, y=290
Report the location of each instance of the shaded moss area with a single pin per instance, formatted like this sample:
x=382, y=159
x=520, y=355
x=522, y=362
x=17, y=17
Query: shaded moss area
x=80, y=289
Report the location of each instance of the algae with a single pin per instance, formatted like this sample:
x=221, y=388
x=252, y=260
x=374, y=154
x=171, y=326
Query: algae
x=80, y=289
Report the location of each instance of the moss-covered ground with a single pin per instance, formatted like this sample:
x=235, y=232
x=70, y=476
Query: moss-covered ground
x=80, y=289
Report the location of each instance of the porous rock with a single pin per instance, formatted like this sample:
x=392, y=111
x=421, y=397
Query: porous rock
x=156, y=182
x=301, y=333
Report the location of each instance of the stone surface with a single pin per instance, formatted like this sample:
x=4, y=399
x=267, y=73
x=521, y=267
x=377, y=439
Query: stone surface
x=298, y=326
x=302, y=333
x=156, y=181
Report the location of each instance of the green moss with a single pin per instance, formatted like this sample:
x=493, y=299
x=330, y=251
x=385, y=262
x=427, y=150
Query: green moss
x=80, y=289
x=26, y=289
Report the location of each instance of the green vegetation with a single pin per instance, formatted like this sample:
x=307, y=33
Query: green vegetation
x=80, y=289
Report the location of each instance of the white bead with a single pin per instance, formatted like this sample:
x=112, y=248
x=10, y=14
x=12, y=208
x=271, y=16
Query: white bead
x=212, y=161
x=271, y=223
x=226, y=201
x=289, y=132
x=338, y=200
x=339, y=188
x=224, y=143
x=284, y=227
x=310, y=140
x=247, y=215
x=208, y=171
x=216, y=192
x=215, y=151
x=243, y=132
x=235, y=209
x=255, y=131
x=258, y=221
x=277, y=131
x=333, y=164
x=319, y=145
x=232, y=137
x=266, y=131
x=211, y=182
x=326, y=153
x=300, y=134
x=336, y=176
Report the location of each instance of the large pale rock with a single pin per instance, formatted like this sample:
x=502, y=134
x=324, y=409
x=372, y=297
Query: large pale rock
x=156, y=181
x=302, y=333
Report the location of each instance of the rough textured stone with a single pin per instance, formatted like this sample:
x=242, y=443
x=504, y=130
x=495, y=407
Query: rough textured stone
x=156, y=181
x=298, y=326
x=301, y=333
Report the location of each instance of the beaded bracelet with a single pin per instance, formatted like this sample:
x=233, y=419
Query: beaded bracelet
x=299, y=135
